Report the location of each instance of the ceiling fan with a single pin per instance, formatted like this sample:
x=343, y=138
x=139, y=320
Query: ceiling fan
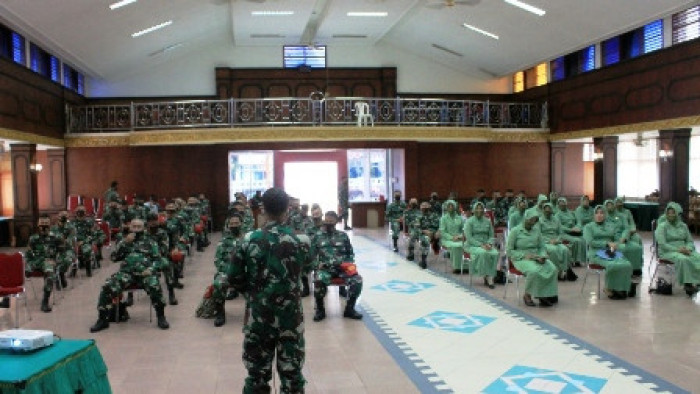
x=451, y=3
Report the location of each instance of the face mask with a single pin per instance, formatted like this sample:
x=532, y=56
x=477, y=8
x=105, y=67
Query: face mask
x=44, y=229
x=80, y=214
x=425, y=211
x=317, y=221
x=64, y=219
x=414, y=206
x=235, y=230
x=329, y=227
x=397, y=198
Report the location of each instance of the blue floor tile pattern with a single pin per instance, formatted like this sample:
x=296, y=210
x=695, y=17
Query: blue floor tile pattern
x=400, y=286
x=657, y=384
x=449, y=321
x=524, y=379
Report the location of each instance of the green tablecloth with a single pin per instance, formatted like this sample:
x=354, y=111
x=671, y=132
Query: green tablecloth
x=67, y=366
x=643, y=213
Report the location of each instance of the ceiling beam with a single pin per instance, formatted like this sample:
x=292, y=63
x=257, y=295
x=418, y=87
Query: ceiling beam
x=318, y=14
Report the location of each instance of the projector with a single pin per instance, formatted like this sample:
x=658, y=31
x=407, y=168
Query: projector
x=25, y=340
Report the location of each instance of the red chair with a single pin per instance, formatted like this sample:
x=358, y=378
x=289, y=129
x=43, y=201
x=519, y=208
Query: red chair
x=100, y=208
x=73, y=202
x=12, y=280
x=514, y=274
x=162, y=203
x=129, y=198
x=104, y=226
x=89, y=204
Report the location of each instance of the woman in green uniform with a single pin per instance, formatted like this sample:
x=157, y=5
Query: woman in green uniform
x=676, y=244
x=551, y=234
x=451, y=235
x=516, y=217
x=480, y=245
x=526, y=250
x=629, y=243
x=601, y=238
x=571, y=232
x=584, y=212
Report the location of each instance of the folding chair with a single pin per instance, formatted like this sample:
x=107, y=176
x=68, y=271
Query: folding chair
x=89, y=205
x=117, y=300
x=514, y=274
x=593, y=268
x=665, y=264
x=12, y=280
x=73, y=202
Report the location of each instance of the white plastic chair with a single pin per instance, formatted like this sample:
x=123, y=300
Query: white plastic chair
x=363, y=114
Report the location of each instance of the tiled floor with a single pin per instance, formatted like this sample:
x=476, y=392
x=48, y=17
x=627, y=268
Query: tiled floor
x=403, y=345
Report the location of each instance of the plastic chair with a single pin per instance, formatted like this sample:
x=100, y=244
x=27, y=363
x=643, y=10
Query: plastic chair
x=593, y=268
x=73, y=202
x=467, y=260
x=12, y=280
x=363, y=114
x=100, y=208
x=514, y=274
x=89, y=204
x=666, y=264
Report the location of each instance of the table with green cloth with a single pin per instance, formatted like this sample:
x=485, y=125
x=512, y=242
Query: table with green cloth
x=67, y=366
x=643, y=213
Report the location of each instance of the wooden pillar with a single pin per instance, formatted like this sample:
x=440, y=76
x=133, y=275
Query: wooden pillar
x=605, y=169
x=25, y=191
x=674, y=171
x=56, y=168
x=558, y=167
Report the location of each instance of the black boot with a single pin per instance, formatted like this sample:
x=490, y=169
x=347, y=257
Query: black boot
x=62, y=278
x=73, y=272
x=342, y=291
x=129, y=299
x=396, y=244
x=176, y=282
x=350, y=311
x=423, y=264
x=231, y=295
x=160, y=315
x=123, y=312
x=411, y=256
x=45, y=307
x=305, y=292
x=320, y=309
x=88, y=269
x=220, y=317
x=102, y=321
x=171, y=297
x=633, y=290
x=5, y=302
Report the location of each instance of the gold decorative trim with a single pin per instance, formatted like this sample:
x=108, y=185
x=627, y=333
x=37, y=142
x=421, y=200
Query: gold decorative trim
x=676, y=123
x=30, y=138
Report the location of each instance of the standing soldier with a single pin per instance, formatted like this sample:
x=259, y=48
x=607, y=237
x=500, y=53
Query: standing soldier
x=141, y=265
x=212, y=305
x=267, y=269
x=343, y=202
x=112, y=194
x=424, y=229
x=65, y=231
x=409, y=216
x=41, y=256
x=335, y=259
x=394, y=213
x=435, y=204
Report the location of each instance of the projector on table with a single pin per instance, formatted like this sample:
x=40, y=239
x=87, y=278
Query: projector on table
x=25, y=340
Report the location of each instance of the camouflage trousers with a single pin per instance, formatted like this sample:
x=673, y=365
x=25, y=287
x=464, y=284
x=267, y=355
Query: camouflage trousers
x=274, y=329
x=45, y=266
x=395, y=228
x=424, y=241
x=120, y=281
x=214, y=295
x=65, y=259
x=325, y=276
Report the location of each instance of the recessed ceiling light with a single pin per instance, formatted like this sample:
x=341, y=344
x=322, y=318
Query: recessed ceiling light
x=152, y=28
x=480, y=31
x=271, y=13
x=368, y=14
x=526, y=7
x=120, y=4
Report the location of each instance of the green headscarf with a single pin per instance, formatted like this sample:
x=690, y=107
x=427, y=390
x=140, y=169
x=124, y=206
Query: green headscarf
x=548, y=204
x=453, y=203
x=565, y=201
x=675, y=206
x=529, y=214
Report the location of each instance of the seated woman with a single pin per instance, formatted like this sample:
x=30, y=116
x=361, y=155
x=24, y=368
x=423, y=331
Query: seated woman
x=518, y=212
x=479, y=244
x=571, y=232
x=629, y=242
x=451, y=236
x=676, y=244
x=601, y=238
x=527, y=252
x=556, y=250
x=584, y=212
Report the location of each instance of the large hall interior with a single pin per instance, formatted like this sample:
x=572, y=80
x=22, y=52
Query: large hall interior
x=181, y=98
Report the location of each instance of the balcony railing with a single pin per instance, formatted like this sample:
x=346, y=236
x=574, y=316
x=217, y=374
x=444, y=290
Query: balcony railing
x=291, y=111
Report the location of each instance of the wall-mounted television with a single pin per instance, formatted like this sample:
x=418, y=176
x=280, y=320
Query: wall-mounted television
x=305, y=56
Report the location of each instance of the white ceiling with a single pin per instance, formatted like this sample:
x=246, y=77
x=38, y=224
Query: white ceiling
x=97, y=40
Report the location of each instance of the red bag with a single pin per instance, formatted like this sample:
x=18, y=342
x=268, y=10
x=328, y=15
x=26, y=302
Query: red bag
x=348, y=268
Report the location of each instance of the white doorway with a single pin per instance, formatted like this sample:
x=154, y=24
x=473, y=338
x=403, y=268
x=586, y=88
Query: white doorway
x=313, y=182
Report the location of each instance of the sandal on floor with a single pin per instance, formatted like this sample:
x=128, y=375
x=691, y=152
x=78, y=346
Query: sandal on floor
x=528, y=301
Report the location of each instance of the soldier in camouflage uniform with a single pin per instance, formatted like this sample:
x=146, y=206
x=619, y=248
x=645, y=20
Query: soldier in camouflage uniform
x=343, y=202
x=267, y=269
x=175, y=228
x=160, y=235
x=409, y=216
x=115, y=219
x=111, y=194
x=248, y=220
x=294, y=219
x=87, y=234
x=41, y=256
x=424, y=229
x=331, y=248
x=137, y=211
x=195, y=219
x=65, y=231
x=393, y=215
x=205, y=210
x=141, y=265
x=212, y=304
